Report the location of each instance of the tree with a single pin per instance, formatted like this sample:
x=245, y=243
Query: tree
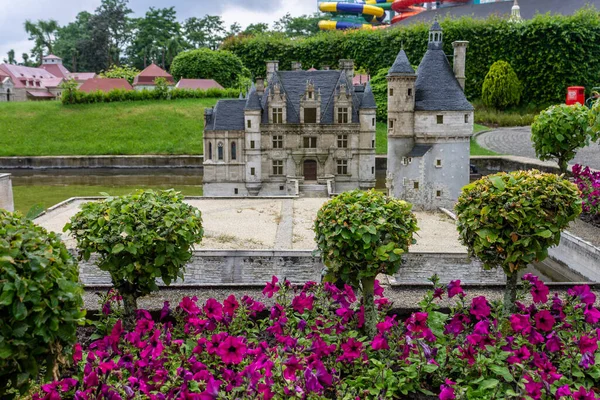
x=11, y=57
x=43, y=33
x=41, y=303
x=223, y=66
x=559, y=131
x=70, y=40
x=27, y=62
x=509, y=220
x=123, y=71
x=234, y=29
x=362, y=234
x=304, y=25
x=501, y=87
x=208, y=31
x=379, y=85
x=113, y=15
x=255, y=29
x=138, y=238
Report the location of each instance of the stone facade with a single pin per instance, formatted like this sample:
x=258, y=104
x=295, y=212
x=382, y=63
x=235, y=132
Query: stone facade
x=6, y=193
x=430, y=123
x=303, y=127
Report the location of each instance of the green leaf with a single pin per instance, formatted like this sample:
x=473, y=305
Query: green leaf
x=488, y=384
x=545, y=234
x=497, y=182
x=118, y=248
x=19, y=311
x=502, y=371
x=7, y=297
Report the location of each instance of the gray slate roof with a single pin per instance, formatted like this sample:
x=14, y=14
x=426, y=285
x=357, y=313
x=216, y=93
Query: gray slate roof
x=436, y=88
x=401, y=65
x=419, y=150
x=528, y=9
x=228, y=115
x=368, y=99
x=253, y=100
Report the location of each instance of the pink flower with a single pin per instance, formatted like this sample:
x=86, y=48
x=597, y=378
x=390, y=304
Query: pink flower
x=230, y=304
x=539, y=292
x=417, y=322
x=378, y=290
x=553, y=343
x=351, y=350
x=534, y=389
x=189, y=305
x=520, y=323
x=232, y=350
x=454, y=289
x=77, y=353
x=302, y=302
x=166, y=310
x=583, y=394
x=271, y=288
x=563, y=391
x=592, y=315
x=544, y=321
x=380, y=342
x=479, y=307
x=213, y=309
x=154, y=347
x=292, y=365
x=447, y=393
x=438, y=293
x=519, y=355
x=588, y=344
x=584, y=293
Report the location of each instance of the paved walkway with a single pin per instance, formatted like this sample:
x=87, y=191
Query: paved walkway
x=517, y=142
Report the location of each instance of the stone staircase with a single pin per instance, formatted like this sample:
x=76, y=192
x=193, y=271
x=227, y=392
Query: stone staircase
x=313, y=190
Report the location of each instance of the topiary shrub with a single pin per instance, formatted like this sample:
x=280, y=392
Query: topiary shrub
x=40, y=302
x=559, y=131
x=223, y=66
x=379, y=85
x=123, y=71
x=501, y=87
x=363, y=234
x=509, y=220
x=138, y=238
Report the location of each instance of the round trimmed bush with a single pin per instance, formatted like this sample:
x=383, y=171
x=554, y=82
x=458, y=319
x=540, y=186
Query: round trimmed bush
x=509, y=220
x=40, y=302
x=138, y=238
x=362, y=234
x=223, y=66
x=501, y=87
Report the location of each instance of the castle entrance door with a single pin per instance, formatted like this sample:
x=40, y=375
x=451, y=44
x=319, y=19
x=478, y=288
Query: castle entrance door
x=310, y=170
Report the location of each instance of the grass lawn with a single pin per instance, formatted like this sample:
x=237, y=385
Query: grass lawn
x=516, y=116
x=26, y=197
x=381, y=143
x=143, y=127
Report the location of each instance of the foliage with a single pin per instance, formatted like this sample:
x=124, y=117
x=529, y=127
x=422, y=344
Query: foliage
x=521, y=116
x=222, y=66
x=559, y=131
x=207, y=31
x=43, y=35
x=123, y=71
x=69, y=91
x=362, y=234
x=138, y=239
x=509, y=220
x=569, y=41
x=160, y=92
x=380, y=92
x=304, y=25
x=40, y=302
x=588, y=183
x=594, y=119
x=161, y=88
x=306, y=346
x=501, y=87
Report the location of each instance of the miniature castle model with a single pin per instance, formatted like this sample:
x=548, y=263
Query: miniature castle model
x=304, y=128
x=430, y=123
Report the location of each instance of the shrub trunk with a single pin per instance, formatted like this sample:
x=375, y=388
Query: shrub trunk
x=129, y=309
x=510, y=293
x=368, y=287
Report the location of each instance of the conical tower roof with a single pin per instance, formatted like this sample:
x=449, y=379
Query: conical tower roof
x=401, y=66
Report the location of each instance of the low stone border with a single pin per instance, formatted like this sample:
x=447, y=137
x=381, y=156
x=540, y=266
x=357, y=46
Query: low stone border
x=108, y=161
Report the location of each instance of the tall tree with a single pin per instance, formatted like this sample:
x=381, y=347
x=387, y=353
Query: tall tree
x=304, y=25
x=11, y=57
x=114, y=16
x=254, y=29
x=207, y=31
x=43, y=34
x=70, y=40
x=27, y=61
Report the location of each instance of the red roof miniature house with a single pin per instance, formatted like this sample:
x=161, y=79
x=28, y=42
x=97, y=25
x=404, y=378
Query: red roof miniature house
x=198, y=84
x=146, y=78
x=360, y=79
x=105, y=85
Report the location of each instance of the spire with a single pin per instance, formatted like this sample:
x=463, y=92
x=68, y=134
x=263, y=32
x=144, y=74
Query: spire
x=435, y=36
x=401, y=65
x=515, y=12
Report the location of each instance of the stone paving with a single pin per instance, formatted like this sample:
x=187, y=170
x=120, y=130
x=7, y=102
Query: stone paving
x=517, y=142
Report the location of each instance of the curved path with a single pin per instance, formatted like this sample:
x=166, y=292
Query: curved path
x=517, y=142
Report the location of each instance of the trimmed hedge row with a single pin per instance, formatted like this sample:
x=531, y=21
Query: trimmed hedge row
x=116, y=95
x=548, y=53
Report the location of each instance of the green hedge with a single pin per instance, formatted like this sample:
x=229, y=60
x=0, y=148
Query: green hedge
x=548, y=53
x=115, y=95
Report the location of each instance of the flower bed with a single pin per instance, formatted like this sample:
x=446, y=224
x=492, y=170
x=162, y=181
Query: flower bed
x=309, y=345
x=588, y=183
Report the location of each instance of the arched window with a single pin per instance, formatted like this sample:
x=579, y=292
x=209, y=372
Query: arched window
x=233, y=151
x=220, y=151
x=210, y=151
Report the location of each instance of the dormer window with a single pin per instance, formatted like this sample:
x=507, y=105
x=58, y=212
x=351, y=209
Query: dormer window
x=342, y=115
x=277, y=115
x=310, y=95
x=310, y=115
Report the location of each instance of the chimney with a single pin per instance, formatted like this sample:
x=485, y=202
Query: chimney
x=272, y=67
x=296, y=66
x=460, y=59
x=348, y=67
x=260, y=86
x=325, y=67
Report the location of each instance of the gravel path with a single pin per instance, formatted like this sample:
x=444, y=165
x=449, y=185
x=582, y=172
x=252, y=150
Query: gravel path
x=517, y=142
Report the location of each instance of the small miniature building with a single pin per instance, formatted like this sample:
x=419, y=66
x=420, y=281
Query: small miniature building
x=146, y=79
x=304, y=129
x=203, y=84
x=105, y=85
x=430, y=123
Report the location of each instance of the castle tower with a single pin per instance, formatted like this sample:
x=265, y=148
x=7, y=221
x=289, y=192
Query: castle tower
x=515, y=12
x=401, y=109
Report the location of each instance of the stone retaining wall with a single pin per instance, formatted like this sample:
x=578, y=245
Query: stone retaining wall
x=6, y=193
x=258, y=266
x=78, y=162
x=578, y=255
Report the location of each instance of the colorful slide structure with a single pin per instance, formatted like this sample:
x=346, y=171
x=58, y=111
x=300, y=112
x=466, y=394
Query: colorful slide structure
x=350, y=15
